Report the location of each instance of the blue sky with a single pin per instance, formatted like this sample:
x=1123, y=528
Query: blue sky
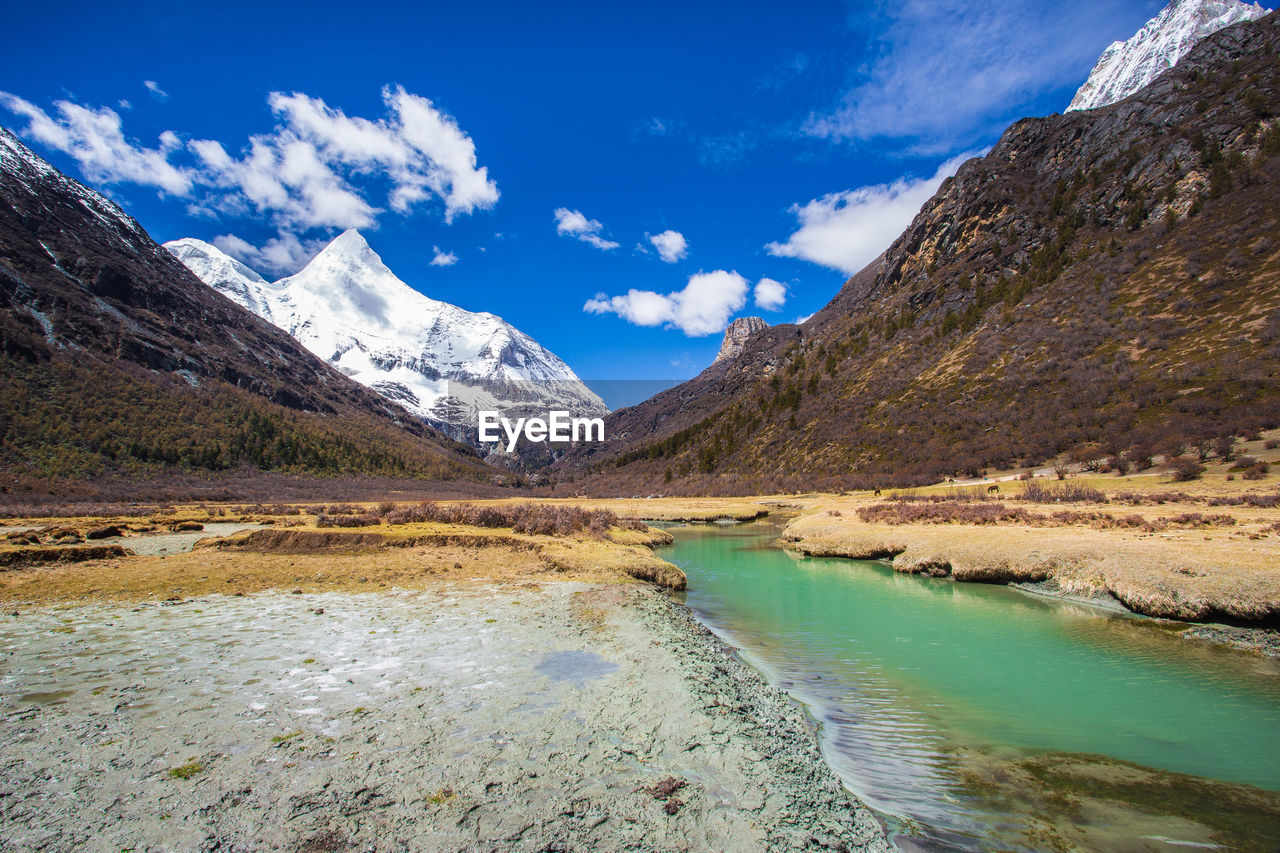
x=618, y=181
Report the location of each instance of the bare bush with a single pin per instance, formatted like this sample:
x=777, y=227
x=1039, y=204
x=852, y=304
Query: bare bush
x=943, y=512
x=1185, y=469
x=1037, y=492
x=97, y=510
x=1149, y=498
x=533, y=518
x=974, y=493
x=1257, y=471
x=368, y=520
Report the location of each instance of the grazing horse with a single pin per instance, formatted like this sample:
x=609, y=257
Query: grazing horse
x=993, y=489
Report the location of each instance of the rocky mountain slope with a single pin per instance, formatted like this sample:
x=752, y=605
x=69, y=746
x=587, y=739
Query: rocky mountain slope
x=115, y=359
x=1102, y=282
x=1127, y=66
x=437, y=360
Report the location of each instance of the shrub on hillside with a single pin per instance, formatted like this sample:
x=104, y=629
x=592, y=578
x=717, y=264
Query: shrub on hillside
x=1256, y=471
x=1038, y=492
x=1149, y=498
x=974, y=493
x=1243, y=463
x=1185, y=469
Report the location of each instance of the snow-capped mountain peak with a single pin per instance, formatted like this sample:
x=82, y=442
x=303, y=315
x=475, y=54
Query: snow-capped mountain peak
x=1127, y=66
x=351, y=247
x=223, y=273
x=436, y=359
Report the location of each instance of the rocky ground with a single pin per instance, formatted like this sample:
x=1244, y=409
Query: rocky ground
x=553, y=716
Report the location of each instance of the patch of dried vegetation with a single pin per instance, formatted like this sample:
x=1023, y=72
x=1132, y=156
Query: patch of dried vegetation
x=410, y=547
x=1160, y=557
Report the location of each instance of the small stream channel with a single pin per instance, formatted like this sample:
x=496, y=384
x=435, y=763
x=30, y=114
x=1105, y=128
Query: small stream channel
x=978, y=717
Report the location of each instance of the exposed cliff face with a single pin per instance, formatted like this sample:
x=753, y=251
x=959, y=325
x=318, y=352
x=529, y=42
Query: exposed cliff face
x=736, y=335
x=1110, y=276
x=115, y=356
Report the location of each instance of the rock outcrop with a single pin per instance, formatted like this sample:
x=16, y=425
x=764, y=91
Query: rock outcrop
x=736, y=335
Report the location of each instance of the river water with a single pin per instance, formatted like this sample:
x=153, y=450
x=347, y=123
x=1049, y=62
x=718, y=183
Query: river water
x=980, y=717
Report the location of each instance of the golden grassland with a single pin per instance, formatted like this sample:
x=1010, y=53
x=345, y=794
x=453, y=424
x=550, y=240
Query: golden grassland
x=293, y=553
x=1182, y=574
x=1160, y=548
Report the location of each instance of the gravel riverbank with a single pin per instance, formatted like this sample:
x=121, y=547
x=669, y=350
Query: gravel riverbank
x=557, y=716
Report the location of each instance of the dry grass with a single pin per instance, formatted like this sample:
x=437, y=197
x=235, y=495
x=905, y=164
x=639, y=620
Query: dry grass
x=1154, y=546
x=1187, y=572
x=1213, y=483
x=671, y=509
x=309, y=559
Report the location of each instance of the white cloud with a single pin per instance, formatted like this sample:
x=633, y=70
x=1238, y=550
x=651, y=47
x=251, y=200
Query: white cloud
x=655, y=126
x=946, y=73
x=286, y=180
x=703, y=307
x=95, y=138
x=284, y=253
x=156, y=92
x=318, y=168
x=303, y=172
x=671, y=245
x=804, y=318
x=444, y=259
x=572, y=223
x=770, y=295
x=847, y=230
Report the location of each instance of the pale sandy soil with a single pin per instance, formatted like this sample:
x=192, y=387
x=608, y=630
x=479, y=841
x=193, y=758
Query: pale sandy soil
x=467, y=716
x=416, y=687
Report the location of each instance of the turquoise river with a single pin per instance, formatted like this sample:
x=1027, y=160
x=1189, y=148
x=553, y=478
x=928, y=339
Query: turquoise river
x=983, y=717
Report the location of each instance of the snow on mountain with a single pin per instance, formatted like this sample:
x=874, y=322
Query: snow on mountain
x=20, y=162
x=225, y=274
x=438, y=360
x=1127, y=66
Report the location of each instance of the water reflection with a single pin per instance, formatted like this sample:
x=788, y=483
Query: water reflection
x=914, y=679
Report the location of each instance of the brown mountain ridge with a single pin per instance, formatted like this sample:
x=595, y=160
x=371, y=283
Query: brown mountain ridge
x=1105, y=281
x=116, y=361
